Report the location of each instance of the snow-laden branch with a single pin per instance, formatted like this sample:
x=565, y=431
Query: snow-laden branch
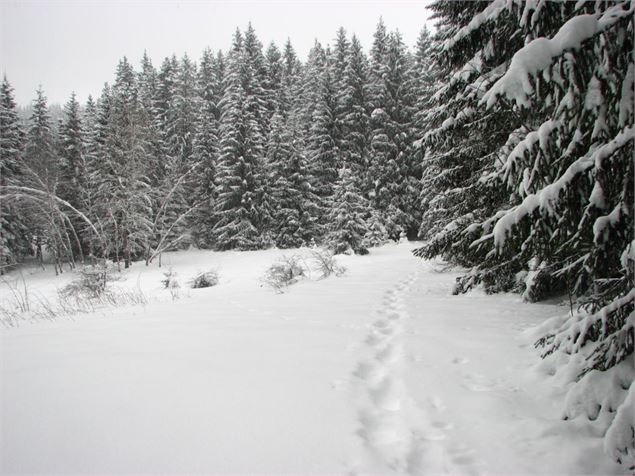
x=27, y=192
x=548, y=196
x=490, y=12
x=539, y=53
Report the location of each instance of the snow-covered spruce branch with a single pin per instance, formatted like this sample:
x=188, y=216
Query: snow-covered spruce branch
x=545, y=199
x=538, y=55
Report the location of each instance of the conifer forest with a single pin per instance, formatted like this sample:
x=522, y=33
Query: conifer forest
x=499, y=146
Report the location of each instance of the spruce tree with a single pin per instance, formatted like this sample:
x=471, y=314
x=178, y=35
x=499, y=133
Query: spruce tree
x=238, y=214
x=322, y=150
x=124, y=199
x=294, y=203
x=72, y=165
x=347, y=216
x=206, y=144
x=353, y=115
x=539, y=136
x=41, y=172
x=13, y=230
x=392, y=170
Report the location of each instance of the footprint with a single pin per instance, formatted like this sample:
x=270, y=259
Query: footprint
x=462, y=455
x=461, y=360
x=393, y=316
x=438, y=404
x=388, y=354
x=385, y=395
x=369, y=372
x=380, y=429
x=381, y=323
x=375, y=338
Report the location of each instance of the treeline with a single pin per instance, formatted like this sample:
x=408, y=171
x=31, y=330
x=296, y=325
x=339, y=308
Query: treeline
x=505, y=141
x=528, y=180
x=247, y=149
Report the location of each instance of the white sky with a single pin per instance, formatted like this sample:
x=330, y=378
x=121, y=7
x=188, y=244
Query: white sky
x=74, y=45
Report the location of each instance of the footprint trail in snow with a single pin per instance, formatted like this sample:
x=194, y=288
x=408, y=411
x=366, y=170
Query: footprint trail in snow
x=398, y=434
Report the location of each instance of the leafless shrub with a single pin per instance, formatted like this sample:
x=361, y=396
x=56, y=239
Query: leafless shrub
x=204, y=279
x=286, y=271
x=171, y=283
x=325, y=263
x=92, y=281
x=19, y=292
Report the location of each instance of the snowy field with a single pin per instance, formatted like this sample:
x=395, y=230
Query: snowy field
x=380, y=371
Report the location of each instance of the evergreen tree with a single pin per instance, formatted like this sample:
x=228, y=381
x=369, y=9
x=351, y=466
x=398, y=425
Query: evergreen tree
x=347, y=216
x=353, y=116
x=238, y=212
x=322, y=150
x=392, y=169
x=293, y=199
x=290, y=98
x=273, y=81
x=425, y=79
x=148, y=84
x=337, y=62
x=123, y=190
x=541, y=146
x=41, y=172
x=206, y=143
x=72, y=164
x=13, y=231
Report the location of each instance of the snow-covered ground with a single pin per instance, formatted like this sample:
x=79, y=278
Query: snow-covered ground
x=380, y=371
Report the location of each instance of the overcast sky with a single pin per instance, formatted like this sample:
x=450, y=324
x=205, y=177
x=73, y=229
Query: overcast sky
x=74, y=45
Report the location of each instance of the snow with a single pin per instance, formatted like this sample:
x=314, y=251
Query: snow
x=620, y=439
x=489, y=13
x=626, y=97
x=594, y=98
x=380, y=371
x=523, y=150
x=538, y=54
x=546, y=198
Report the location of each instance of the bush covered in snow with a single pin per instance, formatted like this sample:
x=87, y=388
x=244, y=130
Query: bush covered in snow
x=325, y=263
x=92, y=281
x=204, y=279
x=284, y=272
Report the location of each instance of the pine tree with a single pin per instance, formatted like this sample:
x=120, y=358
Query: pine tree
x=238, y=214
x=72, y=166
x=426, y=79
x=353, y=115
x=206, y=144
x=539, y=137
x=290, y=100
x=124, y=199
x=178, y=135
x=294, y=203
x=13, y=231
x=337, y=62
x=347, y=216
x=273, y=81
x=41, y=172
x=392, y=169
x=322, y=150
x=148, y=97
x=97, y=118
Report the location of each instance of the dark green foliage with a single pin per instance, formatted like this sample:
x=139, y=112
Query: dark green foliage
x=529, y=176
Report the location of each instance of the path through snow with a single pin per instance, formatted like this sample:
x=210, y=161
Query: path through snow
x=377, y=372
